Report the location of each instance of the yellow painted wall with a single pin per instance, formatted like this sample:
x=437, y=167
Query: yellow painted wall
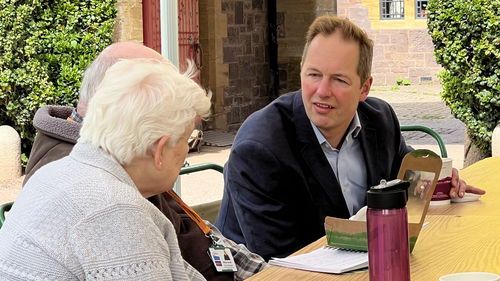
x=409, y=22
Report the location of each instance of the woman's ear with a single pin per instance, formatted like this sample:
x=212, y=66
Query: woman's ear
x=159, y=151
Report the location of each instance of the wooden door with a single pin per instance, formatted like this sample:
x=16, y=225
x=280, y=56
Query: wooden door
x=151, y=24
x=189, y=35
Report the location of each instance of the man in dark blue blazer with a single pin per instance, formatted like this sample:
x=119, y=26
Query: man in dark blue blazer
x=315, y=152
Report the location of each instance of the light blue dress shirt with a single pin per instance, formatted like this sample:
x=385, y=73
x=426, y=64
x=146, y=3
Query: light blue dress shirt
x=348, y=164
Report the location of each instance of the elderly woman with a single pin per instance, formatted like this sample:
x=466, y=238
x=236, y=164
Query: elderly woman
x=85, y=216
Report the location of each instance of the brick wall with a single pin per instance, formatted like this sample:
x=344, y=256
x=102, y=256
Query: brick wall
x=245, y=53
x=398, y=52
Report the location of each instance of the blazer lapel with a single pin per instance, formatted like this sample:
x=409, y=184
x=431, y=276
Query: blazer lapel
x=370, y=146
x=316, y=160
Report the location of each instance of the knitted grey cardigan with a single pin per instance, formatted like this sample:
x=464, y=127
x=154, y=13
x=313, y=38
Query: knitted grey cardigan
x=82, y=218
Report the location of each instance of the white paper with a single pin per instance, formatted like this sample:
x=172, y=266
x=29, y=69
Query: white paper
x=325, y=259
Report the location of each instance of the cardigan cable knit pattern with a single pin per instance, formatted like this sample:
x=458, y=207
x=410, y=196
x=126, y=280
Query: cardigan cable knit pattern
x=82, y=218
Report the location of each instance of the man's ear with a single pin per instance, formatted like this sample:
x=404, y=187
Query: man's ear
x=365, y=89
x=159, y=151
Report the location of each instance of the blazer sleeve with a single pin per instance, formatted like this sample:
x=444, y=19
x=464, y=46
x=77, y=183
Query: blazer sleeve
x=264, y=199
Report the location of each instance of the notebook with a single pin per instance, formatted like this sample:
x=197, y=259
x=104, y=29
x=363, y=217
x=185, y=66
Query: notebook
x=325, y=259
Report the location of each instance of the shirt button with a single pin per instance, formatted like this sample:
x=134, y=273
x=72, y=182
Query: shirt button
x=343, y=188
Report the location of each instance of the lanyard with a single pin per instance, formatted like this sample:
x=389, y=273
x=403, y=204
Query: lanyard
x=215, y=251
x=191, y=213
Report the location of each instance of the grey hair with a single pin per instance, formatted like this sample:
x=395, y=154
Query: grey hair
x=92, y=78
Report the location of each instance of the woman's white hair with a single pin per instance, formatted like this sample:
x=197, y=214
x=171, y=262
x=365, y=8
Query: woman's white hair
x=137, y=103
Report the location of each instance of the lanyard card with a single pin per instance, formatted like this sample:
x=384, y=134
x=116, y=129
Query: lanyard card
x=222, y=258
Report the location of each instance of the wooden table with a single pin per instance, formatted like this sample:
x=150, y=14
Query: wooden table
x=461, y=237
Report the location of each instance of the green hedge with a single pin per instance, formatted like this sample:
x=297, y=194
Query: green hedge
x=44, y=49
x=466, y=36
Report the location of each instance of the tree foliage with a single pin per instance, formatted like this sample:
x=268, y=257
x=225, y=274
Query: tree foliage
x=466, y=36
x=44, y=49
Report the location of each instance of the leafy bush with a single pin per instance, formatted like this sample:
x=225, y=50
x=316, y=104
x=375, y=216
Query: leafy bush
x=44, y=48
x=406, y=82
x=466, y=36
x=399, y=81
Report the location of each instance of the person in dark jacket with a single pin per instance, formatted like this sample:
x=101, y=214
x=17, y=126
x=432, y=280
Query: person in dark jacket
x=55, y=138
x=315, y=152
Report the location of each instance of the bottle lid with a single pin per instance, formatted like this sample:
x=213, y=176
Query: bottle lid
x=388, y=195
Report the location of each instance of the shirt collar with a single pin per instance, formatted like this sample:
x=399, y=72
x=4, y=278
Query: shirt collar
x=355, y=126
x=354, y=129
x=75, y=116
x=319, y=136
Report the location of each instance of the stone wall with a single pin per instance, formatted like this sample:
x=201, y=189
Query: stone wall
x=214, y=74
x=293, y=20
x=245, y=53
x=405, y=53
x=128, y=23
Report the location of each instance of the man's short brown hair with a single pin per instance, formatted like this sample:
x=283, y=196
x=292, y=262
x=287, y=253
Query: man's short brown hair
x=328, y=24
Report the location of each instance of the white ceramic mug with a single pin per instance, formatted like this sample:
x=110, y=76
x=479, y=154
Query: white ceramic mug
x=446, y=168
x=470, y=276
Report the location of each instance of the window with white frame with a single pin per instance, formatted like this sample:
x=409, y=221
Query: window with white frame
x=421, y=9
x=392, y=9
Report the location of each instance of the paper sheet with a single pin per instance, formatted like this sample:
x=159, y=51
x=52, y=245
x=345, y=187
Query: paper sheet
x=325, y=259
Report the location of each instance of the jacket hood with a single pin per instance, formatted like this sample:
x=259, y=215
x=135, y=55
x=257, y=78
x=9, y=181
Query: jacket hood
x=52, y=120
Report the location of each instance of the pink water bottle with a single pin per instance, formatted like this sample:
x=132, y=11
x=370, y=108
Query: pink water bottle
x=387, y=226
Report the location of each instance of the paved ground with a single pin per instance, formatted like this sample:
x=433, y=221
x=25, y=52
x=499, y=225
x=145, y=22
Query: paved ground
x=414, y=105
x=435, y=115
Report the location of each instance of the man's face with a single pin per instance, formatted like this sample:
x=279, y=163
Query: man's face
x=331, y=87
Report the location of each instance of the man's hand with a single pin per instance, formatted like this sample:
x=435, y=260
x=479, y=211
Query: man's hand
x=460, y=187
